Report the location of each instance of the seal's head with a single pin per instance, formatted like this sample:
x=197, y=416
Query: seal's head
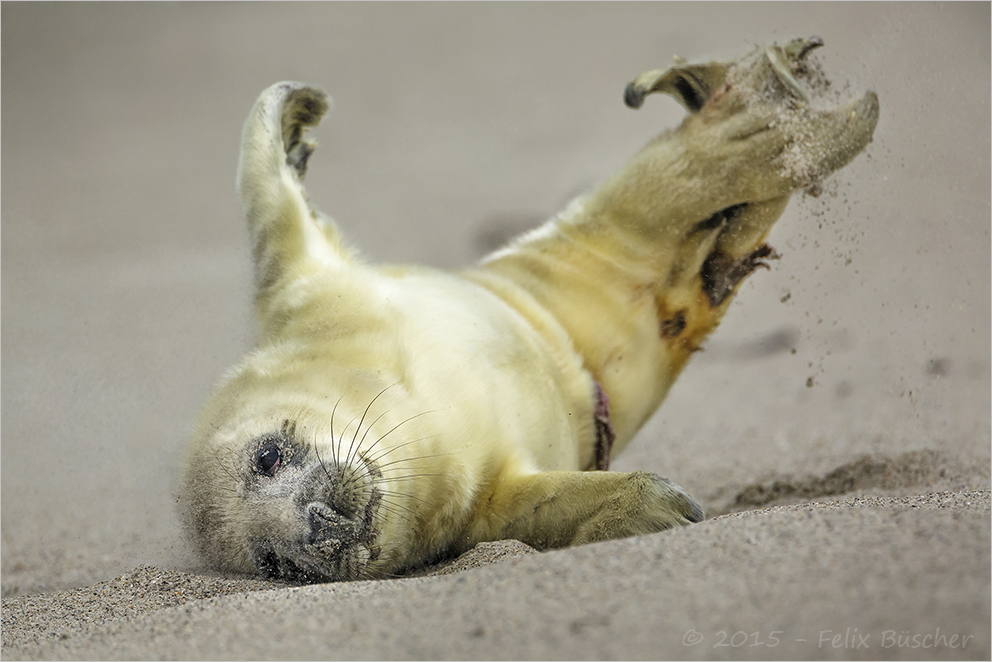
x=271, y=488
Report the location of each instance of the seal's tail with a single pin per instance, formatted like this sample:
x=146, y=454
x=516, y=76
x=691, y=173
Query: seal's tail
x=286, y=232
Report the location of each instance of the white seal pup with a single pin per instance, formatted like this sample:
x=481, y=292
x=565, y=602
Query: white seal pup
x=390, y=416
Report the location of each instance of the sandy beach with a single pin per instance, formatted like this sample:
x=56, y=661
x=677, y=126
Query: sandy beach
x=836, y=427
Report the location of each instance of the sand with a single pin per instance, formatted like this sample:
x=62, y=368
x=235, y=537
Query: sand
x=810, y=581
x=836, y=428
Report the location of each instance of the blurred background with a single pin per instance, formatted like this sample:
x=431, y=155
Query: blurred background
x=126, y=269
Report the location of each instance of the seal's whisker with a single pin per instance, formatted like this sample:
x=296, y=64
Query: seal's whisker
x=390, y=494
x=359, y=428
x=395, y=500
x=374, y=460
x=372, y=424
x=400, y=511
x=323, y=466
x=411, y=513
x=369, y=429
x=353, y=478
x=382, y=454
x=333, y=411
x=390, y=497
x=394, y=509
x=398, y=425
x=395, y=478
x=411, y=459
x=342, y=436
x=356, y=477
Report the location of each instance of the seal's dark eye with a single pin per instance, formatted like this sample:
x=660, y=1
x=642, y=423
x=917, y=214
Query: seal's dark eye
x=268, y=459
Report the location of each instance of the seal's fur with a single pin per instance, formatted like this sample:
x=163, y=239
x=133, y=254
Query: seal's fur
x=390, y=415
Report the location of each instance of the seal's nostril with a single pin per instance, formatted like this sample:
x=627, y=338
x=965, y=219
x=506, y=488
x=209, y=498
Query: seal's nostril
x=329, y=529
x=321, y=515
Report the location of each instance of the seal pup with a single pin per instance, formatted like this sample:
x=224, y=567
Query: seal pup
x=393, y=415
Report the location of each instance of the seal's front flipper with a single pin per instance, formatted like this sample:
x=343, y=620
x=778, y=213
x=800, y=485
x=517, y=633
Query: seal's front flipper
x=302, y=108
x=289, y=237
x=562, y=508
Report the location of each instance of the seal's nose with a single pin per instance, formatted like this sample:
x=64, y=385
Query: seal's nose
x=327, y=524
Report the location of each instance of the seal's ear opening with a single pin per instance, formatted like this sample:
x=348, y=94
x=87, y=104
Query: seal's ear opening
x=691, y=85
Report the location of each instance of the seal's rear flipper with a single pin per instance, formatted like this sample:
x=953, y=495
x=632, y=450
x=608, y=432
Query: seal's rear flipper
x=640, y=271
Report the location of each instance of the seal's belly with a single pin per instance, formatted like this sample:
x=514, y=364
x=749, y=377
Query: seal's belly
x=504, y=396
